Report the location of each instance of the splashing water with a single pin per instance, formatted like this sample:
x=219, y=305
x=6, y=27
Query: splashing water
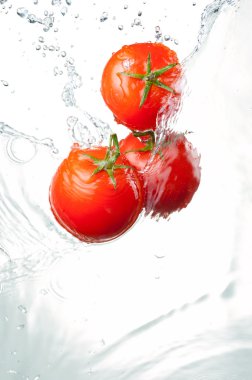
x=170, y=299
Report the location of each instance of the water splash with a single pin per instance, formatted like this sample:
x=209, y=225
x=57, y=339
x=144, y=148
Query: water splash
x=29, y=143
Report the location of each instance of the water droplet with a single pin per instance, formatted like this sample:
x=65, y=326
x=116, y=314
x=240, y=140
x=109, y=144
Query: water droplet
x=41, y=39
x=70, y=61
x=46, y=13
x=22, y=12
x=38, y=47
x=44, y=292
x=167, y=38
x=193, y=4
x=35, y=2
x=48, y=23
x=77, y=15
x=5, y=83
x=104, y=16
x=56, y=70
x=20, y=327
x=125, y=6
x=12, y=372
x=140, y=13
x=23, y=309
x=64, y=11
x=136, y=22
x=69, y=2
x=56, y=30
x=120, y=27
x=45, y=47
x=51, y=48
x=176, y=42
x=71, y=121
x=32, y=18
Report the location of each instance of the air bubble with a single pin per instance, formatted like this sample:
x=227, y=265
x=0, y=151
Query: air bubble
x=46, y=13
x=167, y=38
x=120, y=27
x=51, y=48
x=125, y=6
x=104, y=16
x=63, y=54
x=176, y=42
x=140, y=13
x=22, y=309
x=69, y=2
x=41, y=39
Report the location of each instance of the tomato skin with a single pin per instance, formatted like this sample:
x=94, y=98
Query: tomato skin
x=170, y=178
x=89, y=206
x=123, y=94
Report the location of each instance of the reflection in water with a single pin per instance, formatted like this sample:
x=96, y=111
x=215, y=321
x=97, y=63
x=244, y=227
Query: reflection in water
x=178, y=306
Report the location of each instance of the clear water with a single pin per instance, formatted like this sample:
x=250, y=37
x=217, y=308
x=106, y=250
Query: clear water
x=169, y=299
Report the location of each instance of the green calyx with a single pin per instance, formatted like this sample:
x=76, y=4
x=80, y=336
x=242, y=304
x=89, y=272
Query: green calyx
x=108, y=162
x=150, y=79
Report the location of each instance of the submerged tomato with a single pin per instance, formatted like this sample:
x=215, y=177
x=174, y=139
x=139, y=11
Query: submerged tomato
x=94, y=195
x=137, y=81
x=170, y=177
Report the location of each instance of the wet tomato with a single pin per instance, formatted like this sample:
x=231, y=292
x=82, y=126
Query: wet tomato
x=137, y=81
x=170, y=173
x=95, y=194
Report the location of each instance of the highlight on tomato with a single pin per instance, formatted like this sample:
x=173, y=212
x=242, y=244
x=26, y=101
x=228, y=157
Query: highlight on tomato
x=95, y=194
x=137, y=81
x=170, y=172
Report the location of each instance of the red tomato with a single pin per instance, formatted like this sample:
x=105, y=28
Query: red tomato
x=92, y=199
x=137, y=81
x=170, y=176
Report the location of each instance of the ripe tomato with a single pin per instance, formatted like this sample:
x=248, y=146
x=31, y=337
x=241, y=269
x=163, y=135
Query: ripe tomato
x=95, y=195
x=137, y=80
x=170, y=176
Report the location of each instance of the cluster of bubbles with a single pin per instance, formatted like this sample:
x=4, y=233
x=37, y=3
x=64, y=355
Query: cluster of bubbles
x=74, y=82
x=48, y=20
x=159, y=37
